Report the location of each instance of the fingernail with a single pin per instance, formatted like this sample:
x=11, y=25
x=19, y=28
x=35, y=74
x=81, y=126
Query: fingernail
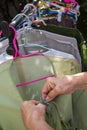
x=47, y=98
x=43, y=97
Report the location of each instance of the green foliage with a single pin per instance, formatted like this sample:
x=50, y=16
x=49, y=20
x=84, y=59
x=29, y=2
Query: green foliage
x=82, y=20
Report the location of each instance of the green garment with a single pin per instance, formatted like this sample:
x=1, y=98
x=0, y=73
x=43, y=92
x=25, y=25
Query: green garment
x=59, y=112
x=80, y=109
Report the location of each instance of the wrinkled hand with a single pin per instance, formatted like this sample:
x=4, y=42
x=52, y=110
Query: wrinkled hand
x=56, y=86
x=32, y=112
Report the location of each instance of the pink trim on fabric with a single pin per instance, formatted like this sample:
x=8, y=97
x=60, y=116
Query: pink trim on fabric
x=33, y=81
x=14, y=42
x=33, y=54
x=17, y=53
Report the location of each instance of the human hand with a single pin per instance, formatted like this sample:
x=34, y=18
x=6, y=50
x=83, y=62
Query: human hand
x=32, y=112
x=56, y=86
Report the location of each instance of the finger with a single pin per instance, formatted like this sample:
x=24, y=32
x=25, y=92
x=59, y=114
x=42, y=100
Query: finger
x=34, y=102
x=51, y=95
x=23, y=109
x=42, y=108
x=49, y=85
x=24, y=104
x=28, y=104
x=45, y=90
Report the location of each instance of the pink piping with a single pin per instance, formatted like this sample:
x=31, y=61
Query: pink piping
x=17, y=53
x=33, y=81
x=14, y=42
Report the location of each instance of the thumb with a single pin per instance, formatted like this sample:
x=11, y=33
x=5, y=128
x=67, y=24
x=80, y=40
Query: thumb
x=51, y=95
x=41, y=106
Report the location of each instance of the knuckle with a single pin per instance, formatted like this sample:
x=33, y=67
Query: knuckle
x=49, y=79
x=24, y=103
x=41, y=106
x=53, y=93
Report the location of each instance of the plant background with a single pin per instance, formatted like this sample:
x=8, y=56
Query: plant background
x=82, y=20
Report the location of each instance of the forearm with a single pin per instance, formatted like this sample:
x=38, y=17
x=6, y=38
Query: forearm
x=80, y=80
x=41, y=125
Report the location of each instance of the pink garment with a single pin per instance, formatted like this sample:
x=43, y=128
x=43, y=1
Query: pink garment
x=71, y=1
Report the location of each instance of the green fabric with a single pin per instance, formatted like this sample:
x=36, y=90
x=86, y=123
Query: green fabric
x=31, y=68
x=33, y=91
x=11, y=97
x=57, y=111
x=10, y=100
x=63, y=66
x=80, y=109
x=84, y=56
x=1, y=128
x=71, y=32
x=59, y=114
